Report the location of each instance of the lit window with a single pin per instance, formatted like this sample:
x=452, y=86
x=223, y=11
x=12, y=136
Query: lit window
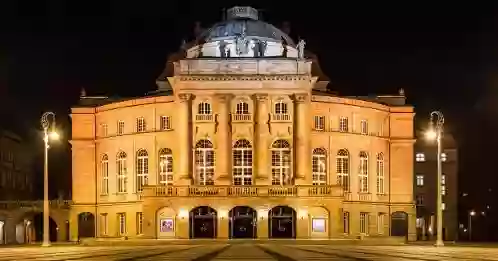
x=443, y=190
x=364, y=223
x=204, y=108
x=420, y=180
x=280, y=107
x=319, y=122
x=204, y=162
x=419, y=200
x=443, y=179
x=319, y=167
x=363, y=175
x=122, y=178
x=444, y=157
x=281, y=163
x=345, y=223
x=242, y=108
x=165, y=167
x=104, y=129
x=242, y=163
x=419, y=222
x=364, y=127
x=104, y=173
x=343, y=124
x=140, y=221
x=121, y=127
x=165, y=123
x=122, y=224
x=342, y=171
x=380, y=173
x=420, y=157
x=443, y=206
x=142, y=169
x=140, y=124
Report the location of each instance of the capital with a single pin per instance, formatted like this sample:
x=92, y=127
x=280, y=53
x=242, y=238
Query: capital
x=260, y=97
x=184, y=97
x=299, y=98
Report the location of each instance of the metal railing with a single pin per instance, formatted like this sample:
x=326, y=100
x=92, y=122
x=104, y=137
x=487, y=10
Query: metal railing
x=241, y=117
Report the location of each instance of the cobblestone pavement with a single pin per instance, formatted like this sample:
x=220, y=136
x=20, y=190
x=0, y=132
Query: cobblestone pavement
x=243, y=252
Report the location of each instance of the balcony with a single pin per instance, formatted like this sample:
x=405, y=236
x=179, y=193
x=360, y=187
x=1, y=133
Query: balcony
x=243, y=191
x=241, y=117
x=281, y=117
x=204, y=117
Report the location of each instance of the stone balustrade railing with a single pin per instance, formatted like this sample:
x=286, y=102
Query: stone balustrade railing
x=14, y=204
x=243, y=191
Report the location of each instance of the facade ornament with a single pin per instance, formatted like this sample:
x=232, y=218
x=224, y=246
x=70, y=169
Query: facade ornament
x=242, y=43
x=299, y=98
x=300, y=48
x=184, y=97
x=224, y=49
x=261, y=97
x=259, y=48
x=285, y=47
x=269, y=123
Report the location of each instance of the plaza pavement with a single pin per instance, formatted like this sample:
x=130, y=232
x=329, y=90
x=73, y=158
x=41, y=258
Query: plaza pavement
x=250, y=251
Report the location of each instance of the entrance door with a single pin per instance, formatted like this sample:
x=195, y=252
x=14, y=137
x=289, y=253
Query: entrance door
x=243, y=222
x=399, y=224
x=203, y=222
x=282, y=222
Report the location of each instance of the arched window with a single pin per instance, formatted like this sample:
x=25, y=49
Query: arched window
x=204, y=108
x=165, y=167
x=363, y=172
x=104, y=175
x=380, y=173
x=122, y=177
x=281, y=163
x=319, y=166
x=204, y=162
x=142, y=169
x=242, y=163
x=342, y=162
x=242, y=108
x=281, y=107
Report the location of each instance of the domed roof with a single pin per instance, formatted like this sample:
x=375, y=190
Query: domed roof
x=251, y=28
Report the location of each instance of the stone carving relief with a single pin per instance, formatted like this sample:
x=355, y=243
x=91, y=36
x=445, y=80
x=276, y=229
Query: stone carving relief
x=184, y=97
x=299, y=98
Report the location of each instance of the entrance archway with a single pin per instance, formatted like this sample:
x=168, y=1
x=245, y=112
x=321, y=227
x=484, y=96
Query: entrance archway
x=203, y=222
x=399, y=224
x=38, y=225
x=242, y=222
x=282, y=222
x=86, y=225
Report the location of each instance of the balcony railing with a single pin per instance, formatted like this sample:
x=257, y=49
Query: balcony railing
x=281, y=117
x=243, y=191
x=241, y=117
x=14, y=204
x=204, y=117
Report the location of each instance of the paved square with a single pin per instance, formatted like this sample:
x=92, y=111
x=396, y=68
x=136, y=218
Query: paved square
x=249, y=251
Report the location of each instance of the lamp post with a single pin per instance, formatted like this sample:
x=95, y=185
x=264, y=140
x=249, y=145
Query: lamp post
x=471, y=214
x=46, y=124
x=436, y=132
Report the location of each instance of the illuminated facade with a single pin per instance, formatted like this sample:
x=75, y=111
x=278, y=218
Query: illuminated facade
x=242, y=140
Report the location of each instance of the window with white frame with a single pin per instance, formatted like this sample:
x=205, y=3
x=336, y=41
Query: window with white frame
x=364, y=223
x=122, y=224
x=380, y=223
x=345, y=222
x=281, y=163
x=343, y=124
x=420, y=157
x=444, y=157
x=120, y=128
x=443, y=179
x=104, y=175
x=443, y=190
x=281, y=107
x=380, y=174
x=104, y=231
x=165, y=123
x=140, y=223
x=419, y=200
x=242, y=163
x=165, y=166
x=364, y=127
x=363, y=172
x=443, y=206
x=420, y=180
x=204, y=108
x=204, y=162
x=242, y=108
x=142, y=169
x=342, y=162
x=319, y=122
x=319, y=166
x=122, y=177
x=141, y=124
x=104, y=129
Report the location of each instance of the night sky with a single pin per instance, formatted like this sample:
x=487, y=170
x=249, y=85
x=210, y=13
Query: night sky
x=444, y=56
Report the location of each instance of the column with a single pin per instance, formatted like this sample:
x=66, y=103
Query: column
x=261, y=132
x=223, y=141
x=184, y=148
x=302, y=143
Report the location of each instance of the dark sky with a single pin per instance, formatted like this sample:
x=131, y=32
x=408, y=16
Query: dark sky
x=443, y=55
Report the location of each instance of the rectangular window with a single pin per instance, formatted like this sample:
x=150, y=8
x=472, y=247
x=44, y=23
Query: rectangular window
x=122, y=224
x=104, y=130
x=345, y=223
x=141, y=124
x=104, y=190
x=319, y=123
x=420, y=180
x=443, y=206
x=444, y=157
x=121, y=128
x=443, y=190
x=364, y=223
x=419, y=200
x=443, y=179
x=343, y=124
x=364, y=127
x=140, y=221
x=380, y=223
x=420, y=157
x=165, y=123
x=103, y=224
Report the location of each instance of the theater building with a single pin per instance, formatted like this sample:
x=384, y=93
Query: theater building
x=242, y=140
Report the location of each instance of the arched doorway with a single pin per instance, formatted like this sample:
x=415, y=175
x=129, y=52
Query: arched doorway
x=86, y=225
x=38, y=225
x=282, y=222
x=243, y=222
x=203, y=222
x=399, y=224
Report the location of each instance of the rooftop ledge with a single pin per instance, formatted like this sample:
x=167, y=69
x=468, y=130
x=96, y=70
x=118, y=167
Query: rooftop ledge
x=235, y=66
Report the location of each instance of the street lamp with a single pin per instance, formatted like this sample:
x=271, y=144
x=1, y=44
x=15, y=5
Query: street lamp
x=436, y=133
x=46, y=125
x=471, y=214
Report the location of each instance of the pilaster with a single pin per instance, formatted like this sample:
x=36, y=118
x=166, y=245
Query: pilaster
x=261, y=139
x=224, y=144
x=302, y=140
x=183, y=175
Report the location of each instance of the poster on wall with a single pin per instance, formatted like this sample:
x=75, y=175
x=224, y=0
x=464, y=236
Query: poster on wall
x=167, y=225
x=318, y=225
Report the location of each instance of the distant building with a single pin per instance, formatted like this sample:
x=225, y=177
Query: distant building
x=425, y=190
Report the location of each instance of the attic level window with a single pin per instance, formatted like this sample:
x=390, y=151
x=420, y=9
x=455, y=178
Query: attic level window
x=165, y=123
x=121, y=126
x=364, y=127
x=204, y=108
x=319, y=123
x=343, y=124
x=242, y=108
x=420, y=157
x=104, y=129
x=140, y=124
